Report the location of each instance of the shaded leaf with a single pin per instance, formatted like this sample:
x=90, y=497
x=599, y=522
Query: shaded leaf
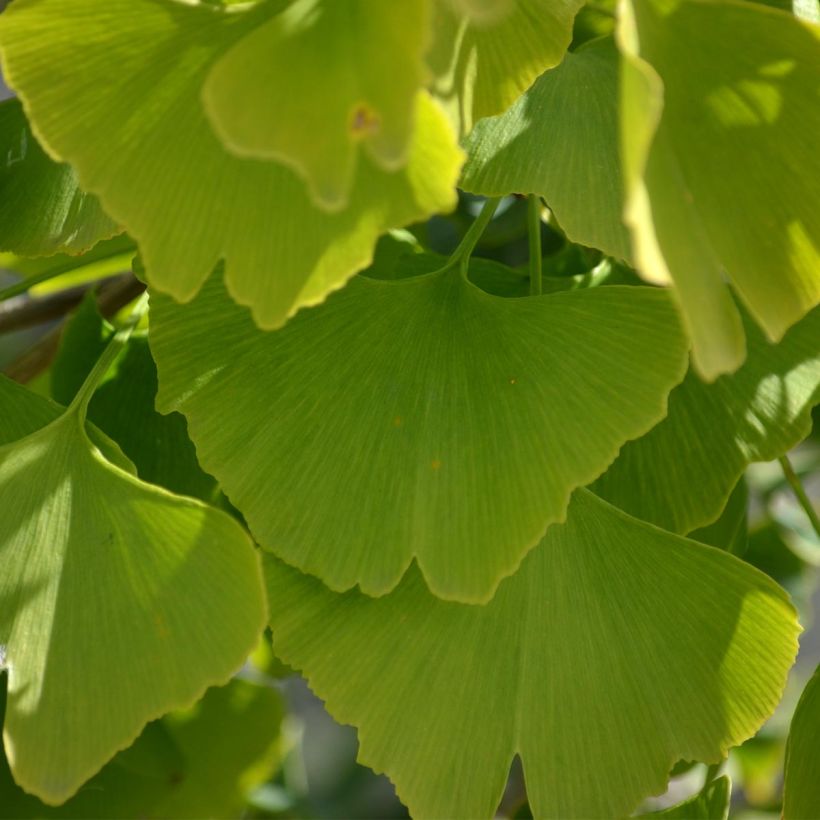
x=415, y=418
x=701, y=203
x=614, y=651
x=118, y=602
x=42, y=209
x=681, y=473
x=801, y=790
x=560, y=140
x=139, y=138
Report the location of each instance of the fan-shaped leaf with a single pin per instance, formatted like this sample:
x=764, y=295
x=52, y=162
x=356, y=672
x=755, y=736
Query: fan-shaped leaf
x=125, y=109
x=560, y=140
x=118, y=601
x=615, y=650
x=724, y=180
x=42, y=209
x=415, y=418
x=343, y=72
x=681, y=473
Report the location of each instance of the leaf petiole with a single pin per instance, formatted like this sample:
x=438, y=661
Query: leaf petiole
x=534, y=233
x=800, y=493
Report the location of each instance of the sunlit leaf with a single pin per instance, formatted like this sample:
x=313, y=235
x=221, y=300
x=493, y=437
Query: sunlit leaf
x=560, y=141
x=482, y=63
x=614, y=651
x=42, y=209
x=343, y=72
x=118, y=601
x=415, y=418
x=681, y=473
x=801, y=791
x=138, y=135
x=721, y=164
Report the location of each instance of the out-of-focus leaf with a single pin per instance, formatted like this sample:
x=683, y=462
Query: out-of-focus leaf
x=118, y=600
x=171, y=182
x=801, y=790
x=711, y=803
x=721, y=164
x=560, y=141
x=571, y=666
x=415, y=418
x=681, y=473
x=42, y=209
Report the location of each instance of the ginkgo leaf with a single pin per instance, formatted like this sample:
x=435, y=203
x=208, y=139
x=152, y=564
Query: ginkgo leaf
x=415, y=418
x=271, y=89
x=711, y=803
x=139, y=138
x=482, y=63
x=118, y=601
x=801, y=790
x=560, y=141
x=42, y=209
x=697, y=117
x=681, y=473
x=615, y=650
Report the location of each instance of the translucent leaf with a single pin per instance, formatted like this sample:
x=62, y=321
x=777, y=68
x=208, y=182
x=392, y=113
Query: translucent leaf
x=801, y=791
x=482, y=63
x=313, y=82
x=724, y=180
x=123, y=404
x=137, y=133
x=415, y=418
x=560, y=140
x=681, y=473
x=614, y=651
x=200, y=762
x=42, y=209
x=712, y=803
x=118, y=602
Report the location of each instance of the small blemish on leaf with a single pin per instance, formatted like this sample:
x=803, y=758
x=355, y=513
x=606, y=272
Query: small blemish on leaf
x=397, y=422
x=513, y=381
x=435, y=464
x=364, y=121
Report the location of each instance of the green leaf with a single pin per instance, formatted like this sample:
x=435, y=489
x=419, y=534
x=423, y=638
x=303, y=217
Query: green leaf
x=614, y=651
x=721, y=165
x=123, y=405
x=560, y=141
x=712, y=803
x=373, y=53
x=680, y=474
x=201, y=762
x=801, y=790
x=730, y=531
x=118, y=601
x=42, y=209
x=419, y=418
x=482, y=62
x=187, y=201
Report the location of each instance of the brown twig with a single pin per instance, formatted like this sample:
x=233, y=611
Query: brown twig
x=113, y=294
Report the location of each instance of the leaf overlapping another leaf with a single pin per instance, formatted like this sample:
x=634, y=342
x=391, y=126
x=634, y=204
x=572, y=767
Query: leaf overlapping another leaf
x=615, y=650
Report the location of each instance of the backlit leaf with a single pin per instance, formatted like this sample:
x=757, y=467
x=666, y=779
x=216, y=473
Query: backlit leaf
x=343, y=71
x=681, y=473
x=614, y=651
x=560, y=141
x=721, y=164
x=415, y=418
x=118, y=602
x=42, y=209
x=137, y=133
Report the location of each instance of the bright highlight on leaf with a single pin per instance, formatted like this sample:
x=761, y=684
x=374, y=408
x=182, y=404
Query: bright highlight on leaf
x=420, y=418
x=712, y=803
x=614, y=651
x=133, y=71
x=118, y=600
x=721, y=164
x=801, y=791
x=342, y=71
x=42, y=209
x=482, y=62
x=560, y=140
x=680, y=474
